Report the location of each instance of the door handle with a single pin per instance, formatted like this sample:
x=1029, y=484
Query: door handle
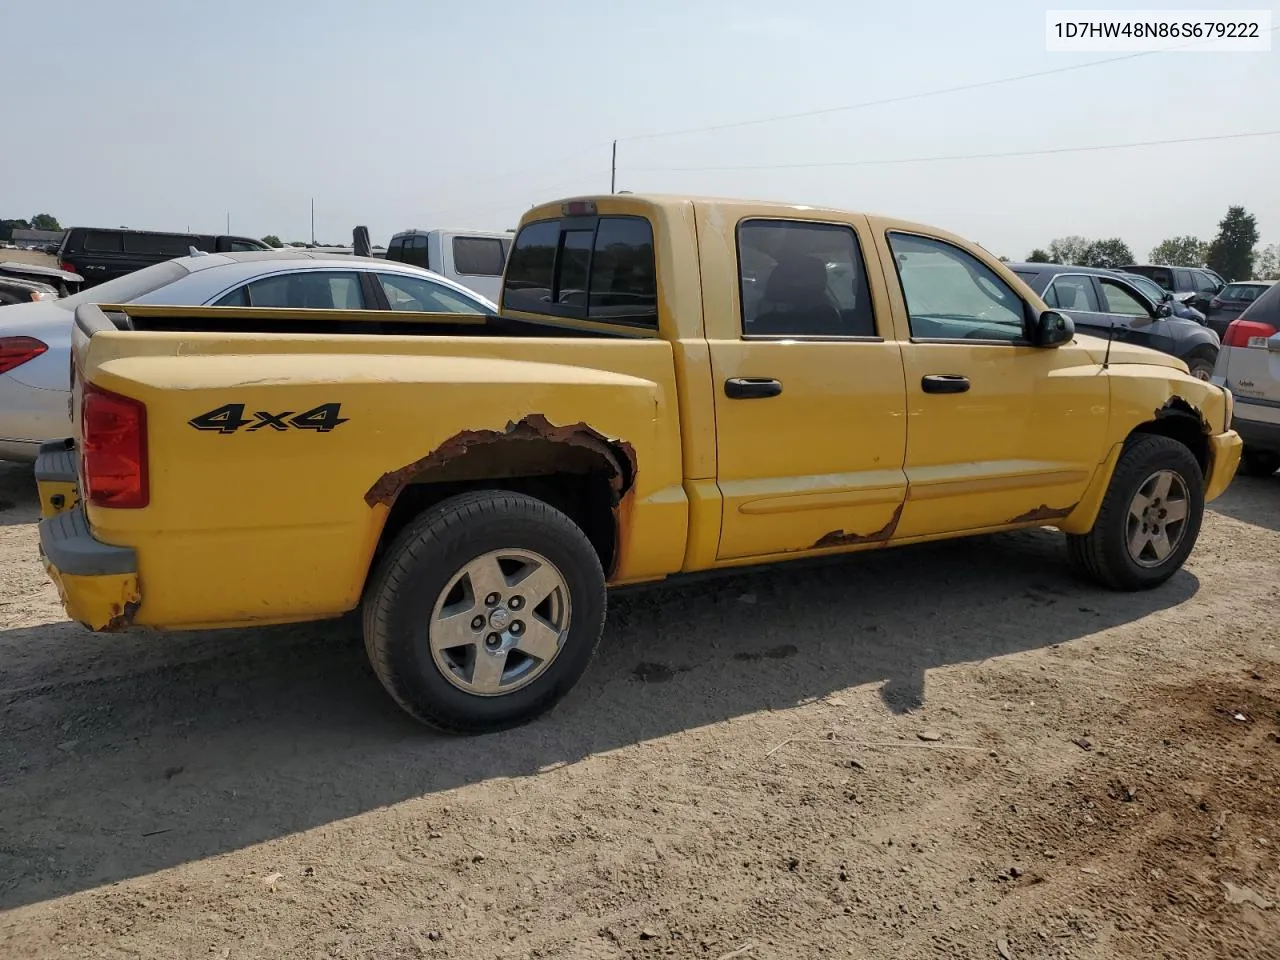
x=751, y=388
x=944, y=383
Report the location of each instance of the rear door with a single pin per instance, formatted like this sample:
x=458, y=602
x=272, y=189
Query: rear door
x=810, y=405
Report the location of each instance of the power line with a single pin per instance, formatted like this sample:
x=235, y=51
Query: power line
x=959, y=156
x=979, y=85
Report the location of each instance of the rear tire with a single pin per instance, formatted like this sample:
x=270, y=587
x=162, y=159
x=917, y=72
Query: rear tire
x=1149, y=520
x=1259, y=463
x=485, y=612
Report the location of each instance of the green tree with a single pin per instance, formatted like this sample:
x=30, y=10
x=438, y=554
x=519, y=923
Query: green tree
x=1184, y=251
x=1231, y=253
x=271, y=240
x=43, y=221
x=1266, y=263
x=1039, y=256
x=1072, y=249
x=1109, y=254
x=8, y=226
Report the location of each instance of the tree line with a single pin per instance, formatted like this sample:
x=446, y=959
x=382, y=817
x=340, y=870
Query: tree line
x=1233, y=254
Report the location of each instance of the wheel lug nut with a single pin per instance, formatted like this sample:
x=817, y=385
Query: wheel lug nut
x=515, y=603
x=477, y=623
x=492, y=640
x=517, y=628
x=492, y=600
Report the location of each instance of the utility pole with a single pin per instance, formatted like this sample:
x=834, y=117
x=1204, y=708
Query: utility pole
x=313, y=221
x=228, y=221
x=613, y=170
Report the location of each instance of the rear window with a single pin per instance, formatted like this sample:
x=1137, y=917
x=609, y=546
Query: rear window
x=598, y=268
x=129, y=287
x=478, y=256
x=1266, y=308
x=412, y=250
x=159, y=244
x=103, y=241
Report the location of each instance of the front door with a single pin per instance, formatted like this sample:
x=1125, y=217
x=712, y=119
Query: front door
x=999, y=433
x=1136, y=320
x=809, y=398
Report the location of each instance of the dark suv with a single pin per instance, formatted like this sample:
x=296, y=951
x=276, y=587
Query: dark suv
x=1102, y=303
x=1193, y=285
x=103, y=254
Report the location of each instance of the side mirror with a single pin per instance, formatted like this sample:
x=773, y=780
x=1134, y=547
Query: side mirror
x=1052, y=329
x=1163, y=309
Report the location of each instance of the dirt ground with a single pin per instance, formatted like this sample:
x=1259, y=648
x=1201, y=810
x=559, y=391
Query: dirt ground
x=945, y=751
x=36, y=257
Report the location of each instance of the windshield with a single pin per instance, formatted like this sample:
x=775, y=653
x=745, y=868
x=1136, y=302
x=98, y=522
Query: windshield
x=1149, y=287
x=130, y=286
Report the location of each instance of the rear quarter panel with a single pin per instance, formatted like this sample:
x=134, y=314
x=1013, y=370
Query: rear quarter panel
x=266, y=525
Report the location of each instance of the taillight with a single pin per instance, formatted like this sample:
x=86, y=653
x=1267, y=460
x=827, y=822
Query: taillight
x=113, y=449
x=15, y=351
x=1243, y=333
x=69, y=267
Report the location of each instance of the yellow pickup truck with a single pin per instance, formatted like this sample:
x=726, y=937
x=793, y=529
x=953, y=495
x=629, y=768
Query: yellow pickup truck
x=673, y=385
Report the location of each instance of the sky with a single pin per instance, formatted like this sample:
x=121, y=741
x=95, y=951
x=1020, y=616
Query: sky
x=173, y=114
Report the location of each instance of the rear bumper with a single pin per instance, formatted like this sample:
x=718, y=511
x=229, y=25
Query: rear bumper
x=97, y=582
x=1224, y=458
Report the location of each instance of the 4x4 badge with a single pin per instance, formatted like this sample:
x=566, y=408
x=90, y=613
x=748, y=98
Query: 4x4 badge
x=230, y=417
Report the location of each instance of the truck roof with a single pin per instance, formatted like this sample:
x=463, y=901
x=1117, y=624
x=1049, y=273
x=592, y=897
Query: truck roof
x=618, y=203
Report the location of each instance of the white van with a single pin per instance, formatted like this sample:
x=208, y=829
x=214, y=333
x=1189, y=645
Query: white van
x=473, y=259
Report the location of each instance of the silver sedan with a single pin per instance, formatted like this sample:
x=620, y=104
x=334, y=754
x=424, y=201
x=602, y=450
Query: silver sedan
x=35, y=338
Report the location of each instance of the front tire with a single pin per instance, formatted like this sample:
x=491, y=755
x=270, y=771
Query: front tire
x=1201, y=363
x=1149, y=520
x=485, y=612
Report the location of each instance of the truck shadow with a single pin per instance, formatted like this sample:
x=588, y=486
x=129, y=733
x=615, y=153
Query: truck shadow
x=124, y=755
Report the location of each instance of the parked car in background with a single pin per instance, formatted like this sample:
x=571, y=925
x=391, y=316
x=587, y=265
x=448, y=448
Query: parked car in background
x=35, y=338
x=1157, y=294
x=1102, y=303
x=475, y=260
x=1231, y=301
x=65, y=282
x=1249, y=367
x=101, y=254
x=1193, y=285
x=14, y=290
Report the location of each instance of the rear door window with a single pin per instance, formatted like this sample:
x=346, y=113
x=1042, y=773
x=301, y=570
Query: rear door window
x=598, y=268
x=159, y=244
x=1072, y=292
x=103, y=241
x=478, y=256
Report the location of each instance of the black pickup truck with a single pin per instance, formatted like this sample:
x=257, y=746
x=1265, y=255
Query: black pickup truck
x=104, y=254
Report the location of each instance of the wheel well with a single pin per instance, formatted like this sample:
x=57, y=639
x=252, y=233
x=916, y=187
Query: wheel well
x=580, y=481
x=1184, y=428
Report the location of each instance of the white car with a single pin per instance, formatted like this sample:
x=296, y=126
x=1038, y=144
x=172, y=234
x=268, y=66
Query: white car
x=35, y=338
x=1249, y=366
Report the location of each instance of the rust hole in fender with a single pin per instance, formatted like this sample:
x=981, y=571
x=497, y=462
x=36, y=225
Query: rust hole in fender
x=619, y=454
